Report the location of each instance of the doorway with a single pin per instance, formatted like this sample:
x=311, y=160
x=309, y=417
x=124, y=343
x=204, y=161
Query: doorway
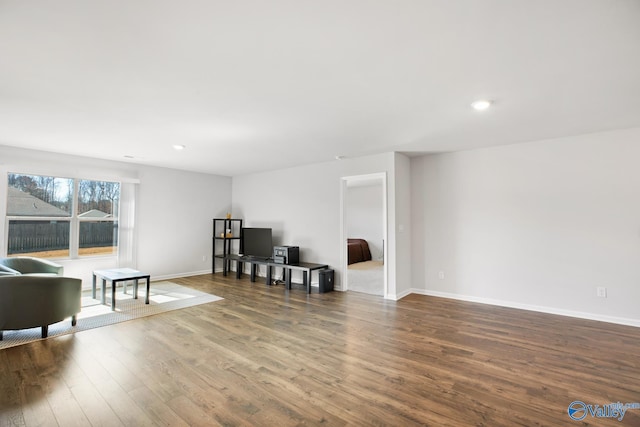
x=364, y=233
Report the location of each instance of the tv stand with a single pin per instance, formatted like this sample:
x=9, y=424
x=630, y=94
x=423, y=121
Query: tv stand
x=249, y=258
x=306, y=267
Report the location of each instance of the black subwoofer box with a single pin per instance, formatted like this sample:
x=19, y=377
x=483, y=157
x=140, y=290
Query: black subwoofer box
x=326, y=280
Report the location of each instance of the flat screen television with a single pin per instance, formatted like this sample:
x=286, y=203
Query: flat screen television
x=257, y=242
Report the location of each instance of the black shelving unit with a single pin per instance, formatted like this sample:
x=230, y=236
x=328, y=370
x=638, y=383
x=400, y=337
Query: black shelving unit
x=226, y=241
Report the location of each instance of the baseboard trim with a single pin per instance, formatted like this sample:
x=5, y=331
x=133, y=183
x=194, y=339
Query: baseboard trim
x=396, y=297
x=540, y=309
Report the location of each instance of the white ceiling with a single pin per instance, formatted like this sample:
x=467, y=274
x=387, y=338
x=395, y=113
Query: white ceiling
x=265, y=84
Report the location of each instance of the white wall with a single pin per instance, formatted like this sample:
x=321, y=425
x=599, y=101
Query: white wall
x=175, y=228
x=537, y=225
x=303, y=207
x=365, y=216
x=402, y=224
x=173, y=211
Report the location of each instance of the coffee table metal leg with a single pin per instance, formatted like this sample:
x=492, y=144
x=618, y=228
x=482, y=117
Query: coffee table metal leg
x=103, y=290
x=113, y=295
x=146, y=300
x=135, y=289
x=93, y=287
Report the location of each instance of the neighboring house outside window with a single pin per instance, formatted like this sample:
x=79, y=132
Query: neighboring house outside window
x=54, y=217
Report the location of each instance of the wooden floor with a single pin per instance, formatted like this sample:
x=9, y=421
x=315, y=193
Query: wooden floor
x=267, y=357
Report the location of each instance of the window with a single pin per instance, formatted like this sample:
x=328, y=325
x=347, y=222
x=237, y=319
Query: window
x=54, y=217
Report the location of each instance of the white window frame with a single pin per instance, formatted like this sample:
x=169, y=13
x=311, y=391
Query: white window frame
x=74, y=219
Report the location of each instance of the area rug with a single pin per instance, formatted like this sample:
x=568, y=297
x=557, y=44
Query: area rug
x=163, y=297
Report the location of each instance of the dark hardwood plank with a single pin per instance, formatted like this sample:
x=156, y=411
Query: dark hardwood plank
x=267, y=356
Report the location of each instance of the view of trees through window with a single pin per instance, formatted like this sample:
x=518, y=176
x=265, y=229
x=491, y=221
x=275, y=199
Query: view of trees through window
x=100, y=196
x=54, y=217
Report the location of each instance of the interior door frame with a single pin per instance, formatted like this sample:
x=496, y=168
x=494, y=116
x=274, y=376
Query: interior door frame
x=344, y=181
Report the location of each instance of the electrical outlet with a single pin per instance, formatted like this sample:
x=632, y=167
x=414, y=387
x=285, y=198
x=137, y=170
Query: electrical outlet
x=204, y=257
x=441, y=275
x=601, y=291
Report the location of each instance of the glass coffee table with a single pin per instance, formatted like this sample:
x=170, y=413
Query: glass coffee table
x=116, y=275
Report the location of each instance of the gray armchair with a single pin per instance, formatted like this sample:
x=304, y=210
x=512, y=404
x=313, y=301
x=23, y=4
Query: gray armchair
x=29, y=265
x=38, y=301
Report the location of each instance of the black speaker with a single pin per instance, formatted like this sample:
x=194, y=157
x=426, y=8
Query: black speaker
x=286, y=254
x=326, y=280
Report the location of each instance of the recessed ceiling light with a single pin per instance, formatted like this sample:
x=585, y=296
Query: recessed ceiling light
x=481, y=104
x=129, y=157
x=179, y=147
x=339, y=157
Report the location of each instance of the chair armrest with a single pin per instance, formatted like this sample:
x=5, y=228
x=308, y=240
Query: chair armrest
x=31, y=301
x=30, y=265
x=7, y=271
